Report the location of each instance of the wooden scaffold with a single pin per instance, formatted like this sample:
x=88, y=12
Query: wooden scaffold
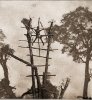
x=33, y=34
x=41, y=86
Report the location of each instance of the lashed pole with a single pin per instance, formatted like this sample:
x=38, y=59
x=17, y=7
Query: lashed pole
x=21, y=60
x=28, y=26
x=47, y=56
x=31, y=56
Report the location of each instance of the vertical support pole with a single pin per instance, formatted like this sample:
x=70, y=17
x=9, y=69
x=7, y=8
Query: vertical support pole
x=38, y=83
x=31, y=58
x=47, y=56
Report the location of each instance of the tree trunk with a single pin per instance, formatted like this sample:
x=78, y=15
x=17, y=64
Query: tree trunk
x=64, y=89
x=31, y=61
x=87, y=78
x=6, y=81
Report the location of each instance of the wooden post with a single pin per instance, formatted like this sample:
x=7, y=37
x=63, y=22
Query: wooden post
x=31, y=57
x=34, y=70
x=38, y=83
x=47, y=56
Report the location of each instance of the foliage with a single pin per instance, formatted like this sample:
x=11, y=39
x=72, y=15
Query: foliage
x=4, y=50
x=49, y=91
x=75, y=33
x=2, y=37
x=5, y=89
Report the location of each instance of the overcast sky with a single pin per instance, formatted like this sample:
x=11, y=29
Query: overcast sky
x=11, y=14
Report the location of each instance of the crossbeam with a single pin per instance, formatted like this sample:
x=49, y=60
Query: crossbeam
x=30, y=42
x=38, y=48
x=25, y=34
x=39, y=56
x=32, y=48
x=39, y=65
x=39, y=75
x=23, y=47
x=23, y=40
x=43, y=35
x=44, y=49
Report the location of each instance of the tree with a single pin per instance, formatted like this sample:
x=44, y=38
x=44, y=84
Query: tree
x=4, y=84
x=3, y=61
x=75, y=33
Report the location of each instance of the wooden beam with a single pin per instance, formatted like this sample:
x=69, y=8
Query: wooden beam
x=39, y=56
x=19, y=59
x=30, y=42
x=37, y=42
x=25, y=34
x=38, y=48
x=44, y=49
x=23, y=27
x=39, y=65
x=43, y=35
x=47, y=55
x=23, y=40
x=39, y=75
x=23, y=47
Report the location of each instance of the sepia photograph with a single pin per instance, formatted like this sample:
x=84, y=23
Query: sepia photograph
x=46, y=49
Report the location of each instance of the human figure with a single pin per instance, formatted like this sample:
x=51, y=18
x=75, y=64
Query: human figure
x=38, y=36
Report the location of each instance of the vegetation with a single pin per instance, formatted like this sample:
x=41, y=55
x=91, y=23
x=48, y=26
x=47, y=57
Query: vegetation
x=75, y=34
x=5, y=89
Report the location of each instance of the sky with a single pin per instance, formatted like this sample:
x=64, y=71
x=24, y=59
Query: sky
x=11, y=14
